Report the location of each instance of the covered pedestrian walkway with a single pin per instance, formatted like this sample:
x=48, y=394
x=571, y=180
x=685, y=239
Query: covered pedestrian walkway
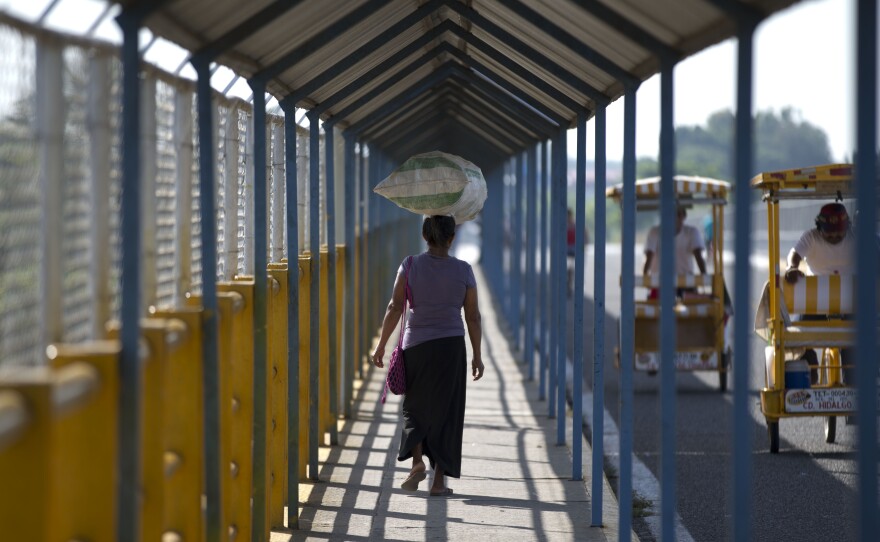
x=190, y=278
x=516, y=480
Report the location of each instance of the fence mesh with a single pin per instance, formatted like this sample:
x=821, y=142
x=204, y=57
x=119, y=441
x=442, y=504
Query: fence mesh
x=92, y=186
x=19, y=202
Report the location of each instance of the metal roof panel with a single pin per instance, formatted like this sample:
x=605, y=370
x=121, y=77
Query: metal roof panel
x=524, y=37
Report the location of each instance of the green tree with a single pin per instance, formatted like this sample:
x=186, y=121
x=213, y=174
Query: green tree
x=782, y=141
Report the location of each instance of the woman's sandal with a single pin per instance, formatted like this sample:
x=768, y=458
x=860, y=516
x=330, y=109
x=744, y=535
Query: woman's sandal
x=412, y=481
x=445, y=493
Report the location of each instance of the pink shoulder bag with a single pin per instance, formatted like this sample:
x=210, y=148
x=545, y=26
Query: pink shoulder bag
x=395, y=380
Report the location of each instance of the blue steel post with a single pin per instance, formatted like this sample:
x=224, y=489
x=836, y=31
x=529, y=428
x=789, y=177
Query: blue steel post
x=259, y=529
x=516, y=290
x=543, y=290
x=348, y=307
x=553, y=277
x=627, y=315
x=742, y=419
x=667, y=299
x=362, y=272
x=491, y=220
x=213, y=504
x=577, y=323
x=131, y=394
x=599, y=320
x=314, y=289
x=530, y=328
x=498, y=249
x=866, y=242
x=507, y=256
x=293, y=359
x=562, y=338
x=330, y=206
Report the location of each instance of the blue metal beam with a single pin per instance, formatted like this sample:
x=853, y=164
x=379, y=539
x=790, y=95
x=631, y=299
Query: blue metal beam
x=330, y=210
x=524, y=49
x=491, y=101
x=328, y=34
x=505, y=133
x=131, y=379
x=384, y=67
x=314, y=290
x=293, y=359
x=511, y=88
x=867, y=264
x=742, y=407
x=399, y=122
x=561, y=178
x=444, y=116
x=667, y=301
x=409, y=109
x=555, y=32
x=387, y=83
x=516, y=112
x=531, y=247
x=246, y=29
x=517, y=69
x=516, y=227
x=514, y=109
x=404, y=97
x=599, y=238
x=449, y=136
x=488, y=111
x=744, y=14
x=141, y=10
x=417, y=89
x=629, y=30
x=260, y=530
x=577, y=325
x=210, y=340
x=543, y=290
x=348, y=346
x=367, y=49
x=627, y=315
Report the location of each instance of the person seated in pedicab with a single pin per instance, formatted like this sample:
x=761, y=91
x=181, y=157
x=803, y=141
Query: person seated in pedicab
x=688, y=248
x=827, y=249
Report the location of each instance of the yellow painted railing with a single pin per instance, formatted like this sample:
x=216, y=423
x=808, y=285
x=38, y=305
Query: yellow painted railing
x=59, y=423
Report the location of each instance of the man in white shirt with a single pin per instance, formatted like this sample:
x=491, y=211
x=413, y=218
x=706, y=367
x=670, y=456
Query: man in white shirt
x=688, y=248
x=827, y=249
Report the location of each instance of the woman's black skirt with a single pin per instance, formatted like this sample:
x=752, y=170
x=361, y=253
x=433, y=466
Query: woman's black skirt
x=433, y=407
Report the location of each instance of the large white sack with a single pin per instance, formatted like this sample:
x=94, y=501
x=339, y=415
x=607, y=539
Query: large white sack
x=436, y=183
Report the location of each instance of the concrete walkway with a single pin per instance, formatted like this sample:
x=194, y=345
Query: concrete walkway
x=515, y=484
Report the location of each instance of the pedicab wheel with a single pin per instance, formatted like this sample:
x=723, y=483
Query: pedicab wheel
x=830, y=429
x=773, y=433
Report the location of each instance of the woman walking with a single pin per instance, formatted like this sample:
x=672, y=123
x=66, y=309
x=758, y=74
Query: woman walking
x=434, y=354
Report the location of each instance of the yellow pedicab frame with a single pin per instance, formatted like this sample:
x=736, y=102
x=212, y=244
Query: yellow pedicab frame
x=812, y=295
x=700, y=314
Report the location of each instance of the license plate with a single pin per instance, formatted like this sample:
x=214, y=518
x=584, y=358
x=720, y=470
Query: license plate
x=821, y=400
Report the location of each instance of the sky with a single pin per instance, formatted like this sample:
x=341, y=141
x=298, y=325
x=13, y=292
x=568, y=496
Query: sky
x=803, y=58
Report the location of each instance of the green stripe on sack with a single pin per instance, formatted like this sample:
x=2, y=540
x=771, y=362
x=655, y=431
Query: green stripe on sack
x=429, y=162
x=433, y=201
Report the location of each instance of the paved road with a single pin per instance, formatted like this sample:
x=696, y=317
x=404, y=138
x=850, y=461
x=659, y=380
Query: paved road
x=806, y=493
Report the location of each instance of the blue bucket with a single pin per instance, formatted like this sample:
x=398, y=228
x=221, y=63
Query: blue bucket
x=797, y=374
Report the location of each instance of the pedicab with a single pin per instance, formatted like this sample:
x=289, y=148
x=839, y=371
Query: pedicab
x=702, y=305
x=806, y=324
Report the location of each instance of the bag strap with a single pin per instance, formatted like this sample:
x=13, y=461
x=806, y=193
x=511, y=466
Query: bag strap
x=406, y=298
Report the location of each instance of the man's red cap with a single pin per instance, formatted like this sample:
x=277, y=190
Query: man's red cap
x=833, y=218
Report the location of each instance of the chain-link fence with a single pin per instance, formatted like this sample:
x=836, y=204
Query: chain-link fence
x=60, y=189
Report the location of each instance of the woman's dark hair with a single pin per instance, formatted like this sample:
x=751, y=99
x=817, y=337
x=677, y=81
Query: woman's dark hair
x=438, y=230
